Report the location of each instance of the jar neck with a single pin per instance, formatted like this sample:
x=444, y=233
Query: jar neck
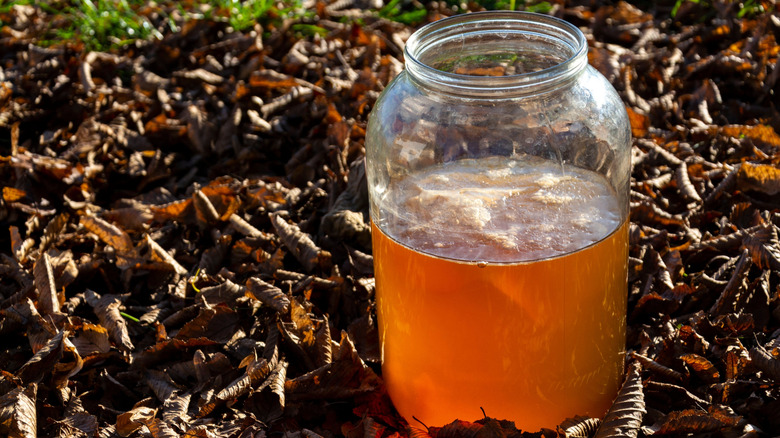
x=497, y=54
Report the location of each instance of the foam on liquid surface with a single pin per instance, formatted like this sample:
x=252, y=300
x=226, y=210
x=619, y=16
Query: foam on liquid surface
x=500, y=210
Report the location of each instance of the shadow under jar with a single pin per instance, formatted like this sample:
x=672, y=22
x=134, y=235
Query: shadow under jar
x=498, y=168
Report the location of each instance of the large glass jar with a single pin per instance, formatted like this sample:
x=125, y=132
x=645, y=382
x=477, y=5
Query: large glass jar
x=498, y=169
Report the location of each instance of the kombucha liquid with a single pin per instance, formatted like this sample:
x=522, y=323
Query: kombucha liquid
x=501, y=285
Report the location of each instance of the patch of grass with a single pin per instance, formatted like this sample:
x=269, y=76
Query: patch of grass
x=398, y=10
x=242, y=15
x=750, y=8
x=394, y=10
x=110, y=24
x=103, y=24
x=309, y=29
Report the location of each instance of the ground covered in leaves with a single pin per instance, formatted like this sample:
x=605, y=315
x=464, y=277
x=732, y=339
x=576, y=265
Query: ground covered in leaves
x=185, y=249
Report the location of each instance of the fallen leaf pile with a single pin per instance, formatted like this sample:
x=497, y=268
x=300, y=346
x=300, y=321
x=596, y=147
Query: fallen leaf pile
x=185, y=239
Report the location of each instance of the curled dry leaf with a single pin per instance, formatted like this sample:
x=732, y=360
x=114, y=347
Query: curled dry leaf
x=225, y=292
x=18, y=417
x=703, y=368
x=579, y=427
x=759, y=177
x=300, y=244
x=764, y=246
x=345, y=377
x=134, y=419
x=657, y=368
x=44, y=361
x=110, y=234
x=687, y=190
x=268, y=401
x=216, y=323
x=624, y=418
x=107, y=310
x=48, y=299
x=697, y=421
x=268, y=294
x=256, y=371
x=766, y=360
x=162, y=255
x=160, y=429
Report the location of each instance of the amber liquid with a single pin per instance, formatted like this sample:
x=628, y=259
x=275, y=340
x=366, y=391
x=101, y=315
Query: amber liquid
x=495, y=309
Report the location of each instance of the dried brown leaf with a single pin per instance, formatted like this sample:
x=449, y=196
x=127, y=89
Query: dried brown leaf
x=44, y=360
x=68, y=366
x=624, y=418
x=225, y=292
x=48, y=299
x=728, y=298
x=53, y=230
x=703, y=368
x=256, y=371
x=764, y=246
x=160, y=383
x=696, y=421
x=78, y=424
x=639, y=122
x=12, y=194
x=181, y=211
x=268, y=401
x=161, y=255
x=579, y=427
x=108, y=233
x=345, y=377
x=175, y=408
x=759, y=134
x=684, y=185
x=107, y=310
x=323, y=343
x=91, y=339
x=205, y=210
x=762, y=178
x=658, y=369
x=457, y=429
x=244, y=227
x=216, y=323
x=161, y=429
x=766, y=361
x=268, y=294
x=134, y=419
x=736, y=359
x=646, y=212
x=300, y=244
x=18, y=416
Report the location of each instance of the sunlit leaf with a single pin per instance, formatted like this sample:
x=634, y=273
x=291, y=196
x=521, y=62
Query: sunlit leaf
x=702, y=367
x=44, y=361
x=267, y=294
x=696, y=421
x=625, y=416
x=18, y=416
x=48, y=299
x=107, y=310
x=108, y=233
x=134, y=419
x=300, y=244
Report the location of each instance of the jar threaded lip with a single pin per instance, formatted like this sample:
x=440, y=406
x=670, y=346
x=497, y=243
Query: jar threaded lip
x=471, y=32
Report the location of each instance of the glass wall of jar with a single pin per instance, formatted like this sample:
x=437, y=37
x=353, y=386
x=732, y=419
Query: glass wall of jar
x=498, y=166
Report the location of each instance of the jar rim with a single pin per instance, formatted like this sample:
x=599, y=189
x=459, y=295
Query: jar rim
x=520, y=24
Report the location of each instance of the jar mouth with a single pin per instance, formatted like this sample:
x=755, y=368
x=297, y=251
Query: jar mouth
x=496, y=54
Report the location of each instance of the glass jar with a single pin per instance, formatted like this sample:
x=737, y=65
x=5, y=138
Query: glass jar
x=498, y=168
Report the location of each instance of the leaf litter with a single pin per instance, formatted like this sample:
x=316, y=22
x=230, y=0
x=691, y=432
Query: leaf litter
x=188, y=252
